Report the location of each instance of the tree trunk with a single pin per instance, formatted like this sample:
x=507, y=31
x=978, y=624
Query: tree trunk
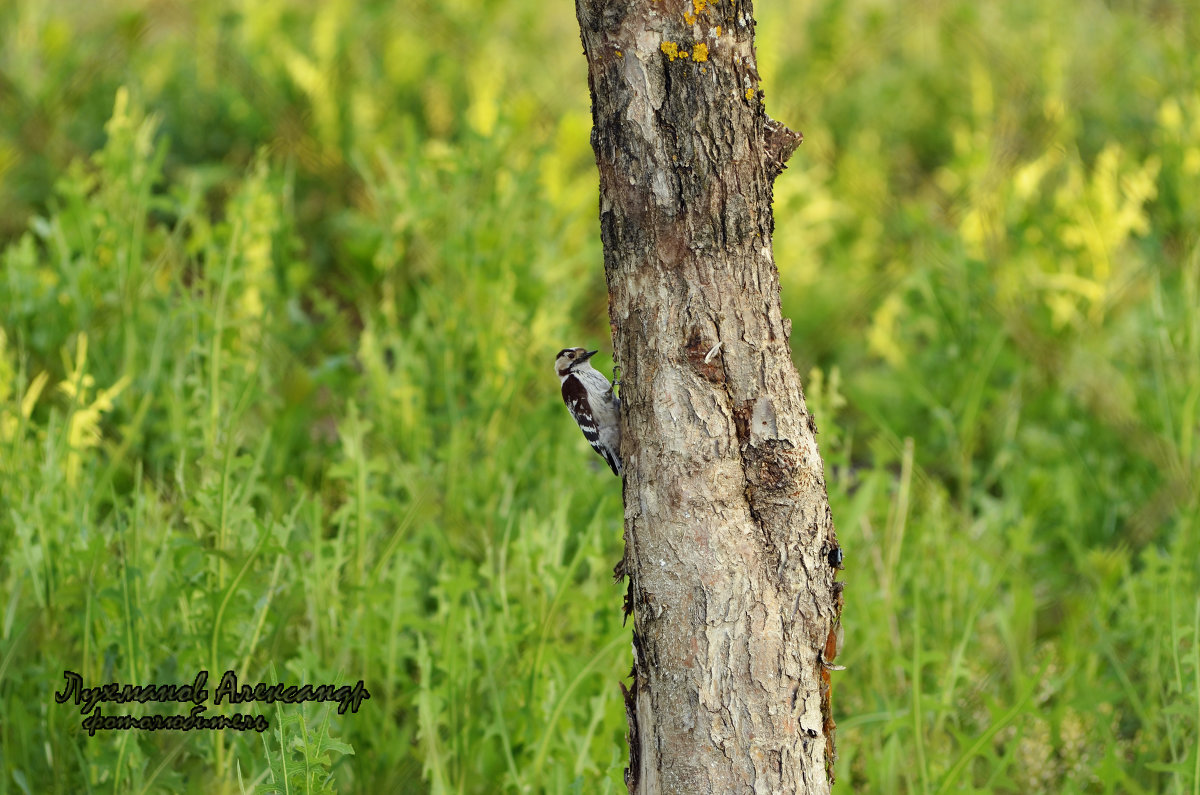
x=730, y=546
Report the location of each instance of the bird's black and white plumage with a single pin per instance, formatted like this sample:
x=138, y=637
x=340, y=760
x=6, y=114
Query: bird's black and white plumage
x=590, y=399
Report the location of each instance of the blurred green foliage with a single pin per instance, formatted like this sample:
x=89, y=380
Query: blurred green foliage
x=281, y=282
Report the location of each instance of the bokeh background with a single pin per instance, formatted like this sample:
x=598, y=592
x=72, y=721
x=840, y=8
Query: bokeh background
x=281, y=286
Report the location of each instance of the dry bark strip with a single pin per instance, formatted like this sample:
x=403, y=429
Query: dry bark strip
x=730, y=545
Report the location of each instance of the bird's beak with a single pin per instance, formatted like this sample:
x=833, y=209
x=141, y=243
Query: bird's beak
x=588, y=355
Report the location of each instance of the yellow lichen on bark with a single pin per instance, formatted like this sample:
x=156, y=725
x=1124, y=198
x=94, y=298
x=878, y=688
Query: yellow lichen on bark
x=697, y=9
x=672, y=51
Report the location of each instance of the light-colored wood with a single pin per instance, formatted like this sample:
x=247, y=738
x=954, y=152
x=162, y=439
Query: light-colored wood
x=729, y=538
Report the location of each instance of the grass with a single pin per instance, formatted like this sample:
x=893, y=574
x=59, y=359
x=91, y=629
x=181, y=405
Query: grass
x=276, y=317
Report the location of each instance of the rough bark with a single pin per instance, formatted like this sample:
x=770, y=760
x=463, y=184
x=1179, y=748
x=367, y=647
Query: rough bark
x=730, y=546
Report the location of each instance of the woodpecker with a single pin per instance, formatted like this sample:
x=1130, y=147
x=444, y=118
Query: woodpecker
x=590, y=399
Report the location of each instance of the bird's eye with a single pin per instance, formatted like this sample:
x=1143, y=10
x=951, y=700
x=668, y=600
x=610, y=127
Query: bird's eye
x=570, y=356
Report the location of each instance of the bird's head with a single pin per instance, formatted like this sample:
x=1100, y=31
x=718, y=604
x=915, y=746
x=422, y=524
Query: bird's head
x=570, y=359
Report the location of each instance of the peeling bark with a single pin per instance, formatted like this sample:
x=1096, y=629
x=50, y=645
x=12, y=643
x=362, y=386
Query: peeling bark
x=730, y=546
